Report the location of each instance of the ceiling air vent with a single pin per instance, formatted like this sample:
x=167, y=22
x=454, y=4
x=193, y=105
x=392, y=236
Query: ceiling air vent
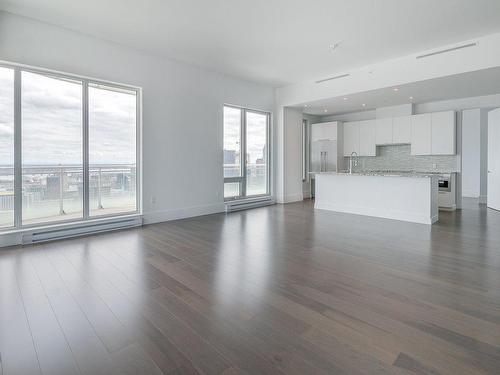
x=332, y=78
x=447, y=50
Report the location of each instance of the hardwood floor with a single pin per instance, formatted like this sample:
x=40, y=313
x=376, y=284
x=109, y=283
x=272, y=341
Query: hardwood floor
x=276, y=290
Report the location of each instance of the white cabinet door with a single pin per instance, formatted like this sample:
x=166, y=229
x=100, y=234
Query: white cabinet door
x=330, y=131
x=421, y=133
x=384, y=131
x=324, y=131
x=367, y=135
x=443, y=138
x=351, y=138
x=401, y=130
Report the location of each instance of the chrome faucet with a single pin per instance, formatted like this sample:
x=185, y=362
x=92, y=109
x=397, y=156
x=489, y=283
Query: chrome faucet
x=353, y=162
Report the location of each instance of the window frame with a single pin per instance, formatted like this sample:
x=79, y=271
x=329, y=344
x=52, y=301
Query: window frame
x=242, y=180
x=85, y=81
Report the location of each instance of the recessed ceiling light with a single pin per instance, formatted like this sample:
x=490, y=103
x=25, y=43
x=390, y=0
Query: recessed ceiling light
x=305, y=105
x=345, y=98
x=325, y=110
x=411, y=97
x=395, y=89
x=333, y=46
x=364, y=105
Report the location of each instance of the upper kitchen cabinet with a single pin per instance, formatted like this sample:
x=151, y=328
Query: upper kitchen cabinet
x=384, y=131
x=351, y=138
x=324, y=131
x=421, y=133
x=367, y=138
x=401, y=130
x=433, y=134
x=443, y=138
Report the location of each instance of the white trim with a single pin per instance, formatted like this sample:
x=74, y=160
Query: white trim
x=39, y=70
x=182, y=213
x=291, y=198
x=453, y=207
x=470, y=194
x=386, y=214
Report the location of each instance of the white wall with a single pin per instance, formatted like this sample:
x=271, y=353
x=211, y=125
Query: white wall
x=182, y=109
x=471, y=153
x=484, y=156
x=306, y=185
x=292, y=156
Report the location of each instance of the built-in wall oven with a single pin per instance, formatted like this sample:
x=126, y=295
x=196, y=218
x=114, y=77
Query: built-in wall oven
x=445, y=182
x=447, y=200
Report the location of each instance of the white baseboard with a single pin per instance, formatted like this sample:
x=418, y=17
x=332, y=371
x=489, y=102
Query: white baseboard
x=292, y=198
x=470, y=194
x=413, y=217
x=453, y=207
x=182, y=213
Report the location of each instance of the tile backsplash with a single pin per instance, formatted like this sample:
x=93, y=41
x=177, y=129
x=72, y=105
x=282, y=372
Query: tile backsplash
x=398, y=158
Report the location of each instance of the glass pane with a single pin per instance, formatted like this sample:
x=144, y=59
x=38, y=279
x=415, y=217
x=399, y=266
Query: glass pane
x=6, y=147
x=52, y=166
x=231, y=189
x=112, y=150
x=232, y=142
x=256, y=138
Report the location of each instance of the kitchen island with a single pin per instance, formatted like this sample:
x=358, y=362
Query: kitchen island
x=407, y=197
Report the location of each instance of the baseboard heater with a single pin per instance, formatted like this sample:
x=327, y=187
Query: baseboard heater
x=248, y=204
x=48, y=234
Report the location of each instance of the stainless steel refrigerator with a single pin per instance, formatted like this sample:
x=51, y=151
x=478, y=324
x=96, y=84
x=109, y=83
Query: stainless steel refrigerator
x=323, y=158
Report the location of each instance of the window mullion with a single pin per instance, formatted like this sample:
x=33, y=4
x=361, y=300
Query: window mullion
x=18, y=189
x=85, y=133
x=244, y=153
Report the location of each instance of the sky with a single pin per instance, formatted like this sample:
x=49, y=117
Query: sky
x=256, y=132
x=52, y=122
x=6, y=116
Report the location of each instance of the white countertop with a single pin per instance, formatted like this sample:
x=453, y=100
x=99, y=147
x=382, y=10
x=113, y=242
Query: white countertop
x=381, y=174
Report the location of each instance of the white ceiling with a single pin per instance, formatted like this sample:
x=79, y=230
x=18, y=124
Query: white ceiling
x=272, y=41
x=477, y=83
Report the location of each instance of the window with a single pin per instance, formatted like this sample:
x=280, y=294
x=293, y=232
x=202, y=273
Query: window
x=246, y=153
x=6, y=147
x=52, y=149
x=71, y=155
x=112, y=150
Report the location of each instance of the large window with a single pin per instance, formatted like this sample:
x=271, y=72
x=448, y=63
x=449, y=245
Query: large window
x=246, y=153
x=71, y=153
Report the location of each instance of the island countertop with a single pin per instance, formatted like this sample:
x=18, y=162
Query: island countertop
x=407, y=197
x=381, y=174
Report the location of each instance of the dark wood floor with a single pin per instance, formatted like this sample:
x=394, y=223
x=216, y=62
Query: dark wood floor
x=275, y=290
